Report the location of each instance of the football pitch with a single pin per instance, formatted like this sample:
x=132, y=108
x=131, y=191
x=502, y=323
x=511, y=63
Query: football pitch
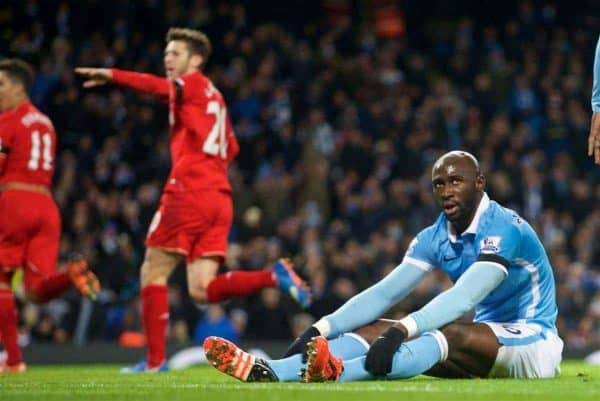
x=103, y=382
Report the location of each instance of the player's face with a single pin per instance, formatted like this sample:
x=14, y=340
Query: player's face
x=177, y=59
x=9, y=90
x=457, y=188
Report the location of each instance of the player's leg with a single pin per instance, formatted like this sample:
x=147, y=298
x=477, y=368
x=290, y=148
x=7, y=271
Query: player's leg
x=208, y=287
x=42, y=280
x=342, y=358
x=472, y=350
x=9, y=334
x=166, y=246
x=205, y=286
x=232, y=360
x=525, y=351
x=156, y=268
x=458, y=350
x=200, y=273
x=13, y=238
x=209, y=246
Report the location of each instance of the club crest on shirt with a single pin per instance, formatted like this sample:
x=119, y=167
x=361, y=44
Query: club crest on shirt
x=490, y=245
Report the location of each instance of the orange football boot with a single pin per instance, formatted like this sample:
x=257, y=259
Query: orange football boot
x=321, y=365
x=82, y=277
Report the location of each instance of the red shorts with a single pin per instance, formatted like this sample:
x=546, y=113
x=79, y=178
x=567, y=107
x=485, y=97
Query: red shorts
x=29, y=235
x=195, y=224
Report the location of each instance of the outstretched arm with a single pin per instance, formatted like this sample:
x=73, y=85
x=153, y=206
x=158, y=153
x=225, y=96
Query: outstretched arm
x=365, y=307
x=373, y=302
x=146, y=83
x=95, y=76
x=594, y=138
x=470, y=289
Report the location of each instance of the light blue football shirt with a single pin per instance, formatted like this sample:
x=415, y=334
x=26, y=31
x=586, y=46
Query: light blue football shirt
x=497, y=234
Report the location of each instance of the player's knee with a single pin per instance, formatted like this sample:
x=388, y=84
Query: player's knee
x=198, y=293
x=146, y=273
x=198, y=289
x=455, y=334
x=153, y=271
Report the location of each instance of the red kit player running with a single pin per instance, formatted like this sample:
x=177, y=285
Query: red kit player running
x=29, y=218
x=195, y=212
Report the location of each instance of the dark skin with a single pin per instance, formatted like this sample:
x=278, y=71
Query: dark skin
x=472, y=347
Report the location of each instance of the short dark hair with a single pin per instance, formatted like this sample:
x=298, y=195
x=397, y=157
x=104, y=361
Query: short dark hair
x=17, y=70
x=198, y=42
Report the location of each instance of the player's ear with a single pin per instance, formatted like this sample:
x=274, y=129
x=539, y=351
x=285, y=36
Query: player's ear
x=197, y=60
x=480, y=182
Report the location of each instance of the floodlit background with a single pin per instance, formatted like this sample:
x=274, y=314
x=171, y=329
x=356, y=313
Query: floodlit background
x=340, y=108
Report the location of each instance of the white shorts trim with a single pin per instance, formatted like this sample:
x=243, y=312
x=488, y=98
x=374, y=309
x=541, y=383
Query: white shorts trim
x=358, y=338
x=442, y=343
x=527, y=351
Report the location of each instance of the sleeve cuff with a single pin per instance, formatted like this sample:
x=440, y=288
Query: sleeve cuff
x=418, y=263
x=411, y=326
x=494, y=259
x=324, y=327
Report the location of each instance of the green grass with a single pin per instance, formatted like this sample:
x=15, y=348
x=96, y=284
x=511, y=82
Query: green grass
x=102, y=382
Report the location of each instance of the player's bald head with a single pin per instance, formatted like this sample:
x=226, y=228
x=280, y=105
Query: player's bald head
x=457, y=159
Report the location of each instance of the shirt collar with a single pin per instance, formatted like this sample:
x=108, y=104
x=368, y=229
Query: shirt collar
x=472, y=229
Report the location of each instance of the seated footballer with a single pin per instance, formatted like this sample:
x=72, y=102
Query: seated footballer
x=498, y=266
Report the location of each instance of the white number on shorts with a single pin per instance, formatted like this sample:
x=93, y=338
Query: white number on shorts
x=511, y=329
x=216, y=142
x=45, y=154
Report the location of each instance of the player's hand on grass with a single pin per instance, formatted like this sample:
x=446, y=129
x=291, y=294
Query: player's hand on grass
x=381, y=353
x=95, y=76
x=594, y=138
x=299, y=344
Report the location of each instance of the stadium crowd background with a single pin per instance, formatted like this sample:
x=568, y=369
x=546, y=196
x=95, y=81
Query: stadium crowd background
x=340, y=107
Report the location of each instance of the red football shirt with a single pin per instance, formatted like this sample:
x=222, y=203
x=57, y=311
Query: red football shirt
x=28, y=140
x=202, y=139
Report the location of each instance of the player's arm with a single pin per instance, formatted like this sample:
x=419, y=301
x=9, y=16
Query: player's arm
x=373, y=302
x=500, y=245
x=594, y=137
x=147, y=83
x=370, y=304
x=364, y=307
x=470, y=289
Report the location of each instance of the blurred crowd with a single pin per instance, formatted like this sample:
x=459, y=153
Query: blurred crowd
x=339, y=122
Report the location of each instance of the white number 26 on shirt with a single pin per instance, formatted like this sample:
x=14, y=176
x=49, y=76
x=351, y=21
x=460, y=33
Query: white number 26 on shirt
x=216, y=142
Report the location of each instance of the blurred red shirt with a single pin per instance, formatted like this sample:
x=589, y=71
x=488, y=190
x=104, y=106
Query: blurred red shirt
x=202, y=142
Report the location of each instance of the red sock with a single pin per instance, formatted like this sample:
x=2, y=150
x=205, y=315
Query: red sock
x=238, y=284
x=155, y=315
x=8, y=326
x=51, y=287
